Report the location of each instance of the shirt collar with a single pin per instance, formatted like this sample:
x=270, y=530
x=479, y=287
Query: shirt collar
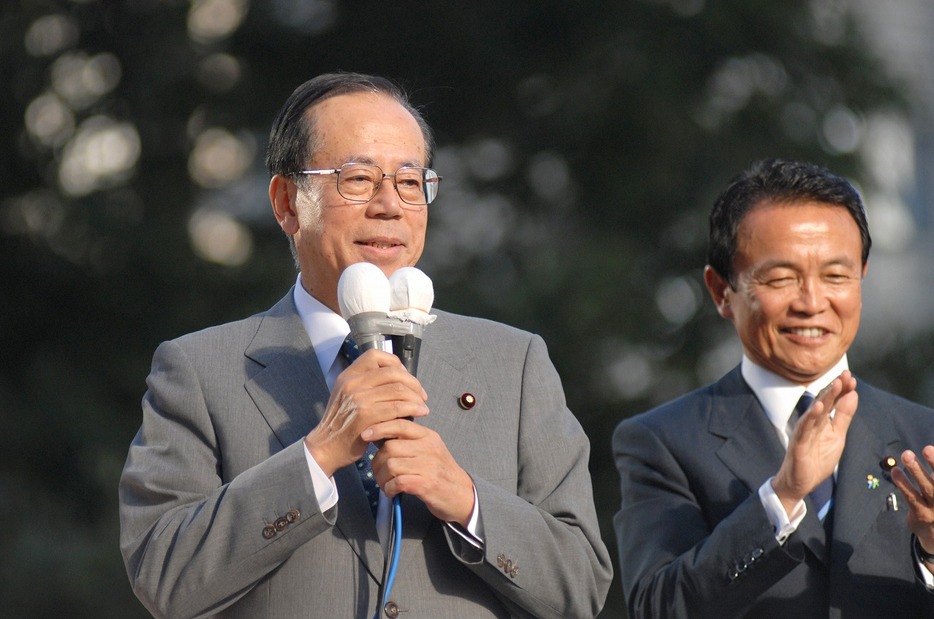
x=325, y=329
x=778, y=395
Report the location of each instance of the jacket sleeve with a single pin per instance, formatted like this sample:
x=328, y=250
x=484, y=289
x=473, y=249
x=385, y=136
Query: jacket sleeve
x=543, y=554
x=193, y=543
x=676, y=558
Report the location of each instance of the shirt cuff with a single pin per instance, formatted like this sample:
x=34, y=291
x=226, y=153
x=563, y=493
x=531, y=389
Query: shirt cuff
x=473, y=534
x=325, y=489
x=781, y=523
x=926, y=577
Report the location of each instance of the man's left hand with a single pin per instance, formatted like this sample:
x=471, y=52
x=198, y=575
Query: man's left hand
x=919, y=495
x=414, y=460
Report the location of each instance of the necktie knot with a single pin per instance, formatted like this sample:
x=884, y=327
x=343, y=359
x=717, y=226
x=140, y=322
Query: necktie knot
x=800, y=408
x=804, y=403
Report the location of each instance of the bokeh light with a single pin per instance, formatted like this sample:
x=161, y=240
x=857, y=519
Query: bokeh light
x=101, y=154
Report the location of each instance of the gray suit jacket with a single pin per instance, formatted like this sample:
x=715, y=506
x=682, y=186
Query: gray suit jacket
x=219, y=459
x=694, y=539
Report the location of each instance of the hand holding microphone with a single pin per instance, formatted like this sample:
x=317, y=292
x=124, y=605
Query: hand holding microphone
x=417, y=462
x=367, y=394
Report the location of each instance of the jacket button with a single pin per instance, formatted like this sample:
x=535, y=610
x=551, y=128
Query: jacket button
x=391, y=609
x=293, y=515
x=269, y=531
x=281, y=523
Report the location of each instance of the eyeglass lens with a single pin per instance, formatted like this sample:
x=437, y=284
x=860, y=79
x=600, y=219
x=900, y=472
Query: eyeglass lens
x=361, y=182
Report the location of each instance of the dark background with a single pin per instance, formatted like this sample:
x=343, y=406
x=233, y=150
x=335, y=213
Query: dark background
x=581, y=145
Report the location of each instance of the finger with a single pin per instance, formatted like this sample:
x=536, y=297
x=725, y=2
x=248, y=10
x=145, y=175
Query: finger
x=919, y=508
x=928, y=453
x=922, y=479
x=845, y=409
x=396, y=373
x=399, y=428
x=360, y=379
x=826, y=396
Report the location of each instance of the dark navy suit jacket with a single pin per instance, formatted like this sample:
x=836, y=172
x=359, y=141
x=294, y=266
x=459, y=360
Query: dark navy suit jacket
x=695, y=541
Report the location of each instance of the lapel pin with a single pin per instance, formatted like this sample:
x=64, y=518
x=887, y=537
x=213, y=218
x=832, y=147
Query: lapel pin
x=891, y=502
x=467, y=401
x=888, y=463
x=872, y=482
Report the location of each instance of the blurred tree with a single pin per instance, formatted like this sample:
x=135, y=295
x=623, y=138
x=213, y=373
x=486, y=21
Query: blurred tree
x=581, y=145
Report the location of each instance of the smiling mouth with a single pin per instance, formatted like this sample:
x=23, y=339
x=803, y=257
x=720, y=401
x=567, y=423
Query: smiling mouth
x=378, y=244
x=806, y=331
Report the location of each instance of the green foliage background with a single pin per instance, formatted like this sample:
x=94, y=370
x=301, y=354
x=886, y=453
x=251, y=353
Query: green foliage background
x=581, y=145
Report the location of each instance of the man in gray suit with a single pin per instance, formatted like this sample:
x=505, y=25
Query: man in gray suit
x=241, y=495
x=734, y=507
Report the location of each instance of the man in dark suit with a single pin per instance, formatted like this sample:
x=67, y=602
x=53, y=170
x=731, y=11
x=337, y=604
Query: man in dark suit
x=242, y=495
x=736, y=505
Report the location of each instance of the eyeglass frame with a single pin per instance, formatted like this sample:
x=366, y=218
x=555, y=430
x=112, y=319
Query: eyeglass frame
x=324, y=172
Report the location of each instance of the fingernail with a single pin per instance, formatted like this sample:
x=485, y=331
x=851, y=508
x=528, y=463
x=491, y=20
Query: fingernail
x=366, y=434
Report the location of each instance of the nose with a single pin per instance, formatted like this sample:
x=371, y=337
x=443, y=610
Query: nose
x=385, y=202
x=812, y=297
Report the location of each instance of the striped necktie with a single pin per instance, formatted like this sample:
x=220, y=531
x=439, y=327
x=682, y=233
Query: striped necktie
x=364, y=465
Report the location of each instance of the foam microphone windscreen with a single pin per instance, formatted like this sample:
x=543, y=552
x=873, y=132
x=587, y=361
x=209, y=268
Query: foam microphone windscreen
x=362, y=288
x=412, y=295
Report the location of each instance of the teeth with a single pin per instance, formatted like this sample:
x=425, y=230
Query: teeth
x=812, y=332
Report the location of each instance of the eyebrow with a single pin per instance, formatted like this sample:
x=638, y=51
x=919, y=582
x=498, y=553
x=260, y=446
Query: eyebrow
x=369, y=161
x=786, y=264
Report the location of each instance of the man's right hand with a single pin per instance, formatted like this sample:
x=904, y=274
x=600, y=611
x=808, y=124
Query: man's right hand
x=375, y=388
x=817, y=443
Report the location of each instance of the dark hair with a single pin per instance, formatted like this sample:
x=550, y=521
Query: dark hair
x=778, y=181
x=291, y=140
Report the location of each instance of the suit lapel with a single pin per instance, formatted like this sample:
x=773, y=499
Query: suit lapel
x=751, y=450
x=289, y=390
x=857, y=504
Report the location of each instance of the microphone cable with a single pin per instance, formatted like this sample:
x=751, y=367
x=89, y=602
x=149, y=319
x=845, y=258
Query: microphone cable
x=393, y=550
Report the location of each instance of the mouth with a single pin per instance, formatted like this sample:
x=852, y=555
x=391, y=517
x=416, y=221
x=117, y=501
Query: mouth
x=379, y=244
x=806, y=331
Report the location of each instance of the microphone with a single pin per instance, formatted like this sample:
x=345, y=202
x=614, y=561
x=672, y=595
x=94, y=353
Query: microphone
x=411, y=297
x=363, y=296
x=388, y=314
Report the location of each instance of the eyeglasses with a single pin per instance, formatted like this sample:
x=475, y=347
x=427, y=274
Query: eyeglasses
x=359, y=182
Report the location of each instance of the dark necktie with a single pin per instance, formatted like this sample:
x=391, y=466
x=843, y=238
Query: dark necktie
x=823, y=492
x=364, y=465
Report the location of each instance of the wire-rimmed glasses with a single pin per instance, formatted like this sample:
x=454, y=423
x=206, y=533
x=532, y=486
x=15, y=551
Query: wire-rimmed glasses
x=359, y=182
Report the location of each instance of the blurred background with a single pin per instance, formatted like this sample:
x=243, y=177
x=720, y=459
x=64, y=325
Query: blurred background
x=581, y=146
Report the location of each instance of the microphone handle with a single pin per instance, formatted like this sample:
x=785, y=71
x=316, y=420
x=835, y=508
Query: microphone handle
x=407, y=347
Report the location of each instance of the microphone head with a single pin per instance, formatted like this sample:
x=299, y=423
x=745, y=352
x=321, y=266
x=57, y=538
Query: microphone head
x=362, y=288
x=412, y=295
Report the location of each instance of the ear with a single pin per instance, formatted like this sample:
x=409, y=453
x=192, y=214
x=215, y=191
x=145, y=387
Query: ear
x=720, y=292
x=282, y=196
